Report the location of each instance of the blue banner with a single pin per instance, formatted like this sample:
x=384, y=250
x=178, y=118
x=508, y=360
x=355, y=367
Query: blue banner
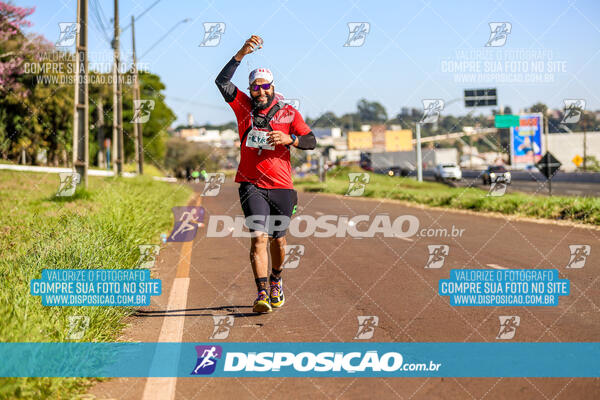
x=96, y=287
x=373, y=359
x=506, y=287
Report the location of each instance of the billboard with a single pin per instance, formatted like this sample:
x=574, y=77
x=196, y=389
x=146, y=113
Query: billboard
x=526, y=140
x=358, y=140
x=399, y=140
x=378, y=132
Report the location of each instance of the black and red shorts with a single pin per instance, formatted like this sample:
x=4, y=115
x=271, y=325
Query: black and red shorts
x=267, y=210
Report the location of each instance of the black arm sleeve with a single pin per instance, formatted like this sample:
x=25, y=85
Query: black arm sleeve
x=307, y=142
x=223, y=81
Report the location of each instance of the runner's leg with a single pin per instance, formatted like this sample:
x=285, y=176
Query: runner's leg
x=282, y=203
x=259, y=259
x=254, y=203
x=277, y=249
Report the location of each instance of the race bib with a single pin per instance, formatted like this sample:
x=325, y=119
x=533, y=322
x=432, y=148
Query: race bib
x=258, y=139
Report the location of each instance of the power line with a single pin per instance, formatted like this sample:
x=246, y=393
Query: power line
x=99, y=24
x=140, y=16
x=103, y=14
x=165, y=35
x=207, y=105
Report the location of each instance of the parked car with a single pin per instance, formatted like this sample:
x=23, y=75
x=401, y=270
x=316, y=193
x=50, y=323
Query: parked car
x=447, y=171
x=495, y=173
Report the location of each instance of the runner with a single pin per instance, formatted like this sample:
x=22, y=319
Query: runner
x=267, y=128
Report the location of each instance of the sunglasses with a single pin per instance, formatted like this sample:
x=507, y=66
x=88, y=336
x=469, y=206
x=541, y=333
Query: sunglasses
x=264, y=86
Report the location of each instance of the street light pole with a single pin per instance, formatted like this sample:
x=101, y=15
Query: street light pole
x=547, y=131
x=419, y=161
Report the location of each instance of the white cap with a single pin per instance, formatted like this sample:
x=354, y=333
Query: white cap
x=263, y=73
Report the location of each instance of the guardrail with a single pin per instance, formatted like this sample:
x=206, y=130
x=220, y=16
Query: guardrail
x=585, y=177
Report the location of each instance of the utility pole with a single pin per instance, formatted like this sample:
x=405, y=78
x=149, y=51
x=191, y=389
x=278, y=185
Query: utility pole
x=547, y=130
x=137, y=127
x=80, y=115
x=419, y=161
x=100, y=124
x=584, y=148
x=117, y=100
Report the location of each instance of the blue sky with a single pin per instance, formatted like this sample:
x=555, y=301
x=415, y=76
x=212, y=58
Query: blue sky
x=404, y=59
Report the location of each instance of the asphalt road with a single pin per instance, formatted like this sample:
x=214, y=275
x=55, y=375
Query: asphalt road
x=339, y=279
x=539, y=187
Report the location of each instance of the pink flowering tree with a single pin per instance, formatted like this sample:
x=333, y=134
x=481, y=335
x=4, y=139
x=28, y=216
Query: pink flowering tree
x=14, y=46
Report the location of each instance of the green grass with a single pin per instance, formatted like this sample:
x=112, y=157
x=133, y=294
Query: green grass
x=100, y=227
x=149, y=169
x=578, y=209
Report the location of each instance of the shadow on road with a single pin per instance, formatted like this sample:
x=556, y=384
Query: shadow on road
x=232, y=310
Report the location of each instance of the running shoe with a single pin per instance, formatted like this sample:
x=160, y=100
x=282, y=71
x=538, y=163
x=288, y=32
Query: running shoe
x=276, y=293
x=261, y=304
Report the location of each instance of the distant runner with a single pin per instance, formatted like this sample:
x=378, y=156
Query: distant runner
x=267, y=128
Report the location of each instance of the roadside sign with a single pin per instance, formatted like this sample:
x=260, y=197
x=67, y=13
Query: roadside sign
x=526, y=141
x=577, y=160
x=548, y=165
x=481, y=97
x=506, y=121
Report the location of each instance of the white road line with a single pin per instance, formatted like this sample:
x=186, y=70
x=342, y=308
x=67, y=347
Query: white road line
x=159, y=388
x=171, y=331
x=495, y=266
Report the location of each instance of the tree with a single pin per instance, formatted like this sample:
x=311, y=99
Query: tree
x=539, y=107
x=37, y=111
x=371, y=111
x=183, y=157
x=326, y=120
x=13, y=45
x=36, y=98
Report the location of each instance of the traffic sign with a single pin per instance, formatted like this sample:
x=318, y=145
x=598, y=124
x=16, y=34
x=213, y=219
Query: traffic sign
x=548, y=165
x=481, y=97
x=506, y=121
x=577, y=160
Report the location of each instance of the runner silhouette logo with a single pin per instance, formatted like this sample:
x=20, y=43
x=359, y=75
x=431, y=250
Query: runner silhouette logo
x=187, y=220
x=293, y=253
x=357, y=33
x=141, y=111
x=499, y=32
x=207, y=359
x=68, y=34
x=366, y=326
x=437, y=255
x=212, y=34
x=212, y=185
x=579, y=254
x=573, y=110
x=508, y=327
x=223, y=324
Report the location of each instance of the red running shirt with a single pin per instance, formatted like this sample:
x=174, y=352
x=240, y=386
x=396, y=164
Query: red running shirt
x=271, y=169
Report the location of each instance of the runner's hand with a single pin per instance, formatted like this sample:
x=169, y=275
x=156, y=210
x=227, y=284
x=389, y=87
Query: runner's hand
x=249, y=46
x=278, y=137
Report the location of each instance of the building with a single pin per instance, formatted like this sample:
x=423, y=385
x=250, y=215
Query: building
x=205, y=136
x=566, y=146
x=333, y=132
